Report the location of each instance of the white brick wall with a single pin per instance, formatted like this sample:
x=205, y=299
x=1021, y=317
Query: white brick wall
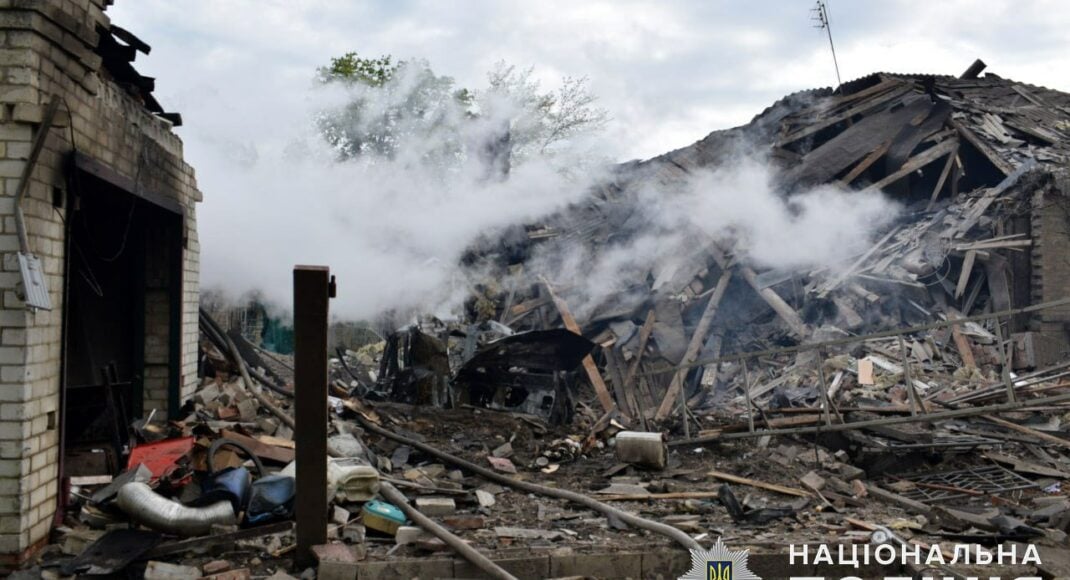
x=111, y=127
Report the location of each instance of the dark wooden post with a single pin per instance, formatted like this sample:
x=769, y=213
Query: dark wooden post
x=313, y=286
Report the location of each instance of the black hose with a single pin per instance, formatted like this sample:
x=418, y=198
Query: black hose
x=225, y=442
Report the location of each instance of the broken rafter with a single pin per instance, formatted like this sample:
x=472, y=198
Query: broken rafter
x=782, y=308
x=858, y=109
x=589, y=367
x=844, y=275
x=865, y=163
x=915, y=163
x=982, y=147
x=943, y=177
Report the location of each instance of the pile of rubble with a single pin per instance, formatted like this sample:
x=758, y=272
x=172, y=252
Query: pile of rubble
x=914, y=394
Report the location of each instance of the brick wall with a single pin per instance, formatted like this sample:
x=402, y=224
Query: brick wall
x=1051, y=258
x=47, y=48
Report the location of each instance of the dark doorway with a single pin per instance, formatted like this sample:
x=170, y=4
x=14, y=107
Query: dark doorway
x=122, y=317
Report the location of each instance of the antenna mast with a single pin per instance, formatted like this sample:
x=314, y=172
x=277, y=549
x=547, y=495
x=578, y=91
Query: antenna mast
x=821, y=17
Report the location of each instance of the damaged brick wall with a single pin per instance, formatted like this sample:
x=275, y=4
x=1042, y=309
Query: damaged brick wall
x=48, y=49
x=1051, y=260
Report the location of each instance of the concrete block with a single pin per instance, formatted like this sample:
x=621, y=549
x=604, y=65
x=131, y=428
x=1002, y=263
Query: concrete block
x=418, y=568
x=164, y=571
x=465, y=522
x=616, y=565
x=410, y=535
x=525, y=568
x=436, y=506
x=336, y=562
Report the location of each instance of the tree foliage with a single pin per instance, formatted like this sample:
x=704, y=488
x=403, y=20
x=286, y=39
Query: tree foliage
x=391, y=104
x=394, y=104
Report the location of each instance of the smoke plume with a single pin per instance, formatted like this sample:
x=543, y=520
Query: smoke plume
x=393, y=229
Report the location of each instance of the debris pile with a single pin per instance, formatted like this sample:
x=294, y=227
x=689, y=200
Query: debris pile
x=914, y=393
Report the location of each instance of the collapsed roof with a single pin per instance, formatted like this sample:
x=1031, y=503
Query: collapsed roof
x=975, y=161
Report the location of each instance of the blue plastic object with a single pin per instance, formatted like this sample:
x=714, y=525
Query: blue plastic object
x=231, y=484
x=271, y=499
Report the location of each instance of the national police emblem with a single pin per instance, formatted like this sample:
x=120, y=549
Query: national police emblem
x=719, y=563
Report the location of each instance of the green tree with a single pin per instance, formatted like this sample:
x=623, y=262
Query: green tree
x=405, y=104
x=392, y=104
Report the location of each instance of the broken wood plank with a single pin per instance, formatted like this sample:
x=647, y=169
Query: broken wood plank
x=1028, y=431
x=943, y=177
x=865, y=164
x=907, y=504
x=962, y=344
x=589, y=367
x=912, y=133
x=980, y=207
x=1023, y=466
x=782, y=308
x=864, y=106
x=633, y=368
x=964, y=275
x=994, y=245
x=844, y=275
x=998, y=162
x=615, y=366
x=915, y=163
x=876, y=131
x=759, y=484
x=260, y=449
x=698, y=338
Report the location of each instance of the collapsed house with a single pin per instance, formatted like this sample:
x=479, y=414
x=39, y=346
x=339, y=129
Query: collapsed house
x=912, y=395
x=100, y=260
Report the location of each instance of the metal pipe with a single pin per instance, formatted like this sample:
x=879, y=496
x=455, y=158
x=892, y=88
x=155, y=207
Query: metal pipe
x=27, y=171
x=155, y=511
x=391, y=494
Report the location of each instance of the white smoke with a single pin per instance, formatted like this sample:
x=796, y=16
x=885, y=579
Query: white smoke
x=394, y=230
x=735, y=207
x=391, y=229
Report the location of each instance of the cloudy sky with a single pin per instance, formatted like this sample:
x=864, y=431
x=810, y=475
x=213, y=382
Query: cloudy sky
x=667, y=71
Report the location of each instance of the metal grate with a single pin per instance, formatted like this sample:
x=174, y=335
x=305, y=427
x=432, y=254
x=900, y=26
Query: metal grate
x=989, y=480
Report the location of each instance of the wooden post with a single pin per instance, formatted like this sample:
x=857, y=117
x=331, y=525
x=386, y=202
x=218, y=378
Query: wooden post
x=313, y=287
x=914, y=402
x=1004, y=361
x=694, y=346
x=823, y=385
x=633, y=368
x=746, y=392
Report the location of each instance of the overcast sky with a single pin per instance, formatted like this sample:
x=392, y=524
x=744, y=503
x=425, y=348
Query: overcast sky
x=668, y=71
